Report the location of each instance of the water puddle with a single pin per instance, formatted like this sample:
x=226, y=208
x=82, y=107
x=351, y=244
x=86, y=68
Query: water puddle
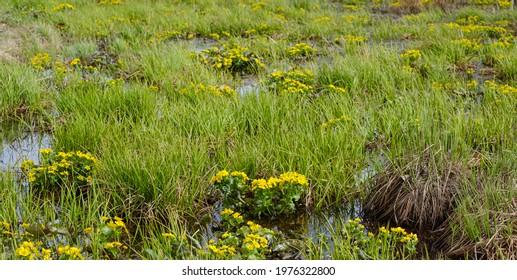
x=201, y=44
x=374, y=162
x=17, y=146
x=317, y=226
x=249, y=85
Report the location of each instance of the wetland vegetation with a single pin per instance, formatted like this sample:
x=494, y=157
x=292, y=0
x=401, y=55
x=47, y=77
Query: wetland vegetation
x=246, y=129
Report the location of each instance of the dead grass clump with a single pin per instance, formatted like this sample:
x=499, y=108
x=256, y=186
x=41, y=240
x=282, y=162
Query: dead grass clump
x=419, y=195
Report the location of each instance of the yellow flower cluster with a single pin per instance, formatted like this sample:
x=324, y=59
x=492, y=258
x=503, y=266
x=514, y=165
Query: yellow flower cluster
x=301, y=50
x=228, y=212
x=355, y=221
x=222, y=251
x=222, y=90
x=352, y=39
x=333, y=122
x=116, y=224
x=115, y=244
x=336, y=88
x=272, y=182
x=253, y=226
x=260, y=184
x=74, y=62
x=113, y=83
x=110, y=2
x=79, y=164
x=355, y=19
x=295, y=178
x=470, y=44
x=291, y=82
x=408, y=237
x=64, y=6
x=219, y=177
x=258, y=6
x=254, y=241
x=154, y=88
x=471, y=25
x=351, y=7
x=502, y=3
x=322, y=19
x=60, y=68
x=4, y=225
x=169, y=235
x=70, y=252
x=230, y=57
x=231, y=213
x=505, y=42
x=41, y=61
x=28, y=250
x=411, y=55
x=405, y=237
x=240, y=174
x=504, y=89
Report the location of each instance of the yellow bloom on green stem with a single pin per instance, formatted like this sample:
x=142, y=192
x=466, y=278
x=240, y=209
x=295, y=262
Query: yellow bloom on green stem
x=168, y=234
x=260, y=184
x=46, y=254
x=219, y=177
x=227, y=212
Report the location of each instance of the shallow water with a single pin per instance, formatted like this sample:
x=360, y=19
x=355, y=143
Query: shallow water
x=201, y=44
x=314, y=225
x=17, y=146
x=249, y=85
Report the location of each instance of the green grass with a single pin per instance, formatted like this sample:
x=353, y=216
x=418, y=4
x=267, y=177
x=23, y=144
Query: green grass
x=134, y=102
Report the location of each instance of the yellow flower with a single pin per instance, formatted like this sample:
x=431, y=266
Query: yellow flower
x=46, y=151
x=399, y=230
x=411, y=54
x=253, y=226
x=227, y=211
x=26, y=165
x=240, y=174
x=46, y=254
x=219, y=177
x=88, y=230
x=383, y=230
x=73, y=252
x=259, y=183
x=75, y=62
x=293, y=177
x=154, y=88
x=23, y=251
x=112, y=245
x=65, y=6
x=167, y=234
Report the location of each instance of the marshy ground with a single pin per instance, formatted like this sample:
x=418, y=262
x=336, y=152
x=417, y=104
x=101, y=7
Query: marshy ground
x=240, y=129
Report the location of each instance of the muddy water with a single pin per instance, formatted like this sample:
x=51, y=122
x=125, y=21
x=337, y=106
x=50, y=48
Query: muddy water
x=17, y=146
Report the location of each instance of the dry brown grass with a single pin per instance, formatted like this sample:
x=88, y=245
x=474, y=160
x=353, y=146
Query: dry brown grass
x=419, y=195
